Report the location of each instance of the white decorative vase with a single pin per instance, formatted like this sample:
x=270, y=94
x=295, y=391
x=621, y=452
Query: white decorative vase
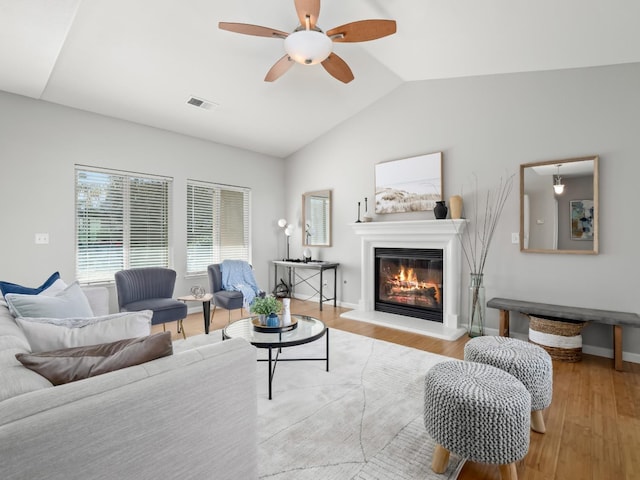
x=286, y=312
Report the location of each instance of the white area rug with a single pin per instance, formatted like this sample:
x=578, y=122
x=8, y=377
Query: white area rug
x=361, y=420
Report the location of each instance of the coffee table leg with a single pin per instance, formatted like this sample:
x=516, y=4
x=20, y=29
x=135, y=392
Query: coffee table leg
x=270, y=376
x=206, y=308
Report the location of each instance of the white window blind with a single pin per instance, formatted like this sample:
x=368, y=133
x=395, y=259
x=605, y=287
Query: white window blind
x=217, y=224
x=122, y=221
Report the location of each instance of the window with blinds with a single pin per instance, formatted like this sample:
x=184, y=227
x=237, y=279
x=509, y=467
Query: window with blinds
x=217, y=224
x=122, y=221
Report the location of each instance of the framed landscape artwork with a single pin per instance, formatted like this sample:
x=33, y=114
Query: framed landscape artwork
x=411, y=184
x=581, y=219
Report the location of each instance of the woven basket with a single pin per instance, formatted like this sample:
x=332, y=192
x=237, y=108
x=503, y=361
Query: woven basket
x=561, y=339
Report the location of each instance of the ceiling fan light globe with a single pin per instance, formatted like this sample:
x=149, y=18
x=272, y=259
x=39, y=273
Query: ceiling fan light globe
x=308, y=47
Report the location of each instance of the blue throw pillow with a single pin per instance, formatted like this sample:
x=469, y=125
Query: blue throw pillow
x=7, y=287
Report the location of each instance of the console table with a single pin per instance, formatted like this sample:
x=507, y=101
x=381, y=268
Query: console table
x=296, y=277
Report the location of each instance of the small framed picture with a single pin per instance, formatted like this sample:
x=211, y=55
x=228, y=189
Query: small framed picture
x=581, y=216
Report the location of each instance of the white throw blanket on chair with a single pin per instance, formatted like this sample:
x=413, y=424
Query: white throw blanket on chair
x=237, y=275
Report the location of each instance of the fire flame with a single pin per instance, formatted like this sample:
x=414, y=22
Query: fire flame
x=407, y=280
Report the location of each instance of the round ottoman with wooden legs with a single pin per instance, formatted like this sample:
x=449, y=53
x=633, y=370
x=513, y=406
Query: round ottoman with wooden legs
x=478, y=412
x=527, y=362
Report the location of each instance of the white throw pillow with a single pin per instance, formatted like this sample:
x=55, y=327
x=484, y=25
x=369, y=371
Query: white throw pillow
x=45, y=334
x=56, y=287
x=70, y=302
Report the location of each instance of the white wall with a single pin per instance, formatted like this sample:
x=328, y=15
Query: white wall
x=490, y=125
x=41, y=142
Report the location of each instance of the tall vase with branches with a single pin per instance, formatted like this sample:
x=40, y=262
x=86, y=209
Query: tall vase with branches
x=476, y=241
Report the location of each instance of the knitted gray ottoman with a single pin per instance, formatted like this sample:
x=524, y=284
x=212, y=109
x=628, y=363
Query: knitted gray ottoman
x=479, y=412
x=527, y=362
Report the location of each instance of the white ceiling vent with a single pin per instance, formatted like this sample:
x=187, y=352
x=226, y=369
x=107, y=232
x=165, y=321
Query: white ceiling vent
x=201, y=103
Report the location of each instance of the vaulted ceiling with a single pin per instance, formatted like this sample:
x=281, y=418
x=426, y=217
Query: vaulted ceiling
x=141, y=60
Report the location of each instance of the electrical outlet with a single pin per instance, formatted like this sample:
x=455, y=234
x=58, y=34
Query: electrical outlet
x=515, y=237
x=42, y=238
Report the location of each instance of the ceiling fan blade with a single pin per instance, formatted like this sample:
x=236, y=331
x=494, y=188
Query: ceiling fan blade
x=309, y=8
x=279, y=68
x=362, y=31
x=249, y=29
x=338, y=68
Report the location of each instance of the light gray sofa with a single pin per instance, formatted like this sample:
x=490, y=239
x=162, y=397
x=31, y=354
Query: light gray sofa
x=192, y=415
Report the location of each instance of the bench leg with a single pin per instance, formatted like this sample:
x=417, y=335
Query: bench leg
x=617, y=347
x=504, y=323
x=440, y=459
x=508, y=472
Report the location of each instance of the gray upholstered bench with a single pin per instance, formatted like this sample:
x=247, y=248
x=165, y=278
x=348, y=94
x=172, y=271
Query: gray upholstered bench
x=607, y=317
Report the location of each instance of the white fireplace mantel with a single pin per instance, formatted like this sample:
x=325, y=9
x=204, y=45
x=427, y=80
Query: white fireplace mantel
x=436, y=234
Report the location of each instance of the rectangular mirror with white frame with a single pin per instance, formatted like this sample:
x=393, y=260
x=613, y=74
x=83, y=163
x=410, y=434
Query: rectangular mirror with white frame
x=316, y=218
x=559, y=206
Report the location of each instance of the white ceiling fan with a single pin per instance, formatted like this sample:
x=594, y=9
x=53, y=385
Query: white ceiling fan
x=309, y=45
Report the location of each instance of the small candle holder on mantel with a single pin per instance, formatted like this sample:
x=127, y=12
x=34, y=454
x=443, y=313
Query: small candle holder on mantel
x=366, y=218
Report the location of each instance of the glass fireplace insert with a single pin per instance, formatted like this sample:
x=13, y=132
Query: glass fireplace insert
x=408, y=281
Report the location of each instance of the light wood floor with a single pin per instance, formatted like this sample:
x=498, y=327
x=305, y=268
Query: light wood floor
x=593, y=423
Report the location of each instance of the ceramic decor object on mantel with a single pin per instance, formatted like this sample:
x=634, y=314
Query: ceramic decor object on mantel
x=455, y=207
x=440, y=210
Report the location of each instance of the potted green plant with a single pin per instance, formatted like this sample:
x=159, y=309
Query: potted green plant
x=265, y=307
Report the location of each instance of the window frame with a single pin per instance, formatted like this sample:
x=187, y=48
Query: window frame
x=128, y=238
x=216, y=256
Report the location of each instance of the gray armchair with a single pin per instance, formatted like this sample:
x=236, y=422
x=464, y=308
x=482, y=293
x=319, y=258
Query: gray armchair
x=231, y=299
x=150, y=288
x=227, y=299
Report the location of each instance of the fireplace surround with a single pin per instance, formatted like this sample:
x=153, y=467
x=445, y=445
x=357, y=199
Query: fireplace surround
x=415, y=234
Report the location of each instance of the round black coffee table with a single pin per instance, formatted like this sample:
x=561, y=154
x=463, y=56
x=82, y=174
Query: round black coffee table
x=308, y=330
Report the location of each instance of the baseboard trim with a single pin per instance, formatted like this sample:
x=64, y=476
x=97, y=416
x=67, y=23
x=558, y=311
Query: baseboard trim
x=588, y=349
x=191, y=310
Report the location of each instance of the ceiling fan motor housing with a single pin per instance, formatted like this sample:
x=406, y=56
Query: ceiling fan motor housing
x=308, y=47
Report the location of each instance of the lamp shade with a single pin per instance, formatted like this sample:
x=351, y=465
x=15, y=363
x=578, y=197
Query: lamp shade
x=282, y=222
x=308, y=47
x=558, y=188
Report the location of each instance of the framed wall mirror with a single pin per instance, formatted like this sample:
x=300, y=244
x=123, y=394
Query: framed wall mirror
x=559, y=206
x=316, y=218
